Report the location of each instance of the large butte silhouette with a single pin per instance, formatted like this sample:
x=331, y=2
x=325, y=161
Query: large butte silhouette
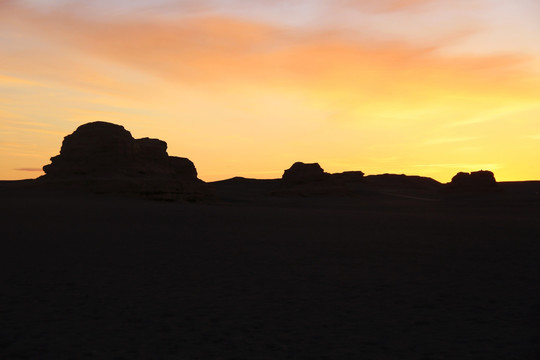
x=104, y=157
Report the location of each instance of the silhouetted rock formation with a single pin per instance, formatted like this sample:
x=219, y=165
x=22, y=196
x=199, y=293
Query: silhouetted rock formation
x=300, y=173
x=477, y=181
x=309, y=179
x=106, y=158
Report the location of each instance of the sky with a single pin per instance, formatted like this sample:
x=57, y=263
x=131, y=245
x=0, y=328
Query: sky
x=248, y=87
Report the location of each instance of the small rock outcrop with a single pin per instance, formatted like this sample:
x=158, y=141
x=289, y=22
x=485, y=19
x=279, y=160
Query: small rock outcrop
x=307, y=180
x=301, y=173
x=105, y=157
x=477, y=181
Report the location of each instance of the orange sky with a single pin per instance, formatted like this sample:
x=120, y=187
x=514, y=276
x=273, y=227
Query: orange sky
x=246, y=88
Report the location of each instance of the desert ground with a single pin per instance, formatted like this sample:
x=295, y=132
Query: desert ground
x=370, y=276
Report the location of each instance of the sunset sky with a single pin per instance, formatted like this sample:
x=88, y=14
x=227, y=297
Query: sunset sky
x=248, y=87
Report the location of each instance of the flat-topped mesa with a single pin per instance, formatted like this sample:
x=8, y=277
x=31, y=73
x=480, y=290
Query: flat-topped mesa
x=107, y=158
x=476, y=181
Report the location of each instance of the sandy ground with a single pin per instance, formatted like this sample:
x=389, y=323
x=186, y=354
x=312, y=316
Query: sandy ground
x=102, y=277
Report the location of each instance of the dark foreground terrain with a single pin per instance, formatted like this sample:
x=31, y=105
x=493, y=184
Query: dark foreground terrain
x=365, y=277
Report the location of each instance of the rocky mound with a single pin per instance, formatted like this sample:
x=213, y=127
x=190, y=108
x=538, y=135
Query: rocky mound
x=300, y=173
x=105, y=157
x=477, y=181
x=309, y=179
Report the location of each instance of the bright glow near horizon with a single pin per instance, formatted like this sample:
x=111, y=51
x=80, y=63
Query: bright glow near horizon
x=246, y=88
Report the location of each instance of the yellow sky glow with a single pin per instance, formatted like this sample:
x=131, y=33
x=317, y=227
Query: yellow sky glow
x=243, y=97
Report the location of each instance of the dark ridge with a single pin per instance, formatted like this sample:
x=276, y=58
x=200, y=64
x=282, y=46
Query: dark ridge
x=349, y=176
x=403, y=181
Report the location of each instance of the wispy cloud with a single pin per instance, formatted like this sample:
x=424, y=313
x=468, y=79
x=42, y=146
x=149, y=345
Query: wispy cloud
x=29, y=169
x=16, y=125
x=383, y=6
x=463, y=166
x=220, y=47
x=6, y=80
x=497, y=113
x=447, y=140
